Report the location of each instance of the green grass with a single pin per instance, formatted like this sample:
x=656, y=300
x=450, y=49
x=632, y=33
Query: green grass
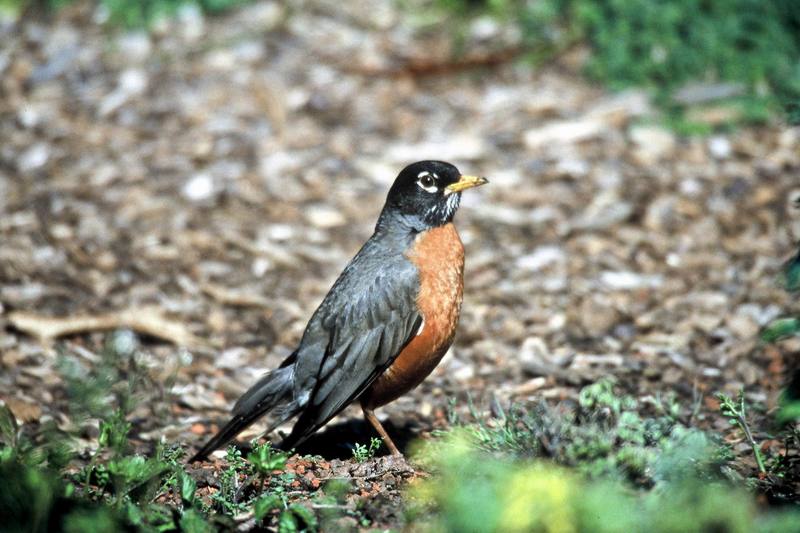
x=664, y=45
x=604, y=435
x=116, y=488
x=476, y=492
x=595, y=466
x=604, y=462
x=131, y=13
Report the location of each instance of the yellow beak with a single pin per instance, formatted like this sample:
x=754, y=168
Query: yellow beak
x=465, y=182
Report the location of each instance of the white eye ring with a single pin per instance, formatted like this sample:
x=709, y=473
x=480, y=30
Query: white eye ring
x=426, y=182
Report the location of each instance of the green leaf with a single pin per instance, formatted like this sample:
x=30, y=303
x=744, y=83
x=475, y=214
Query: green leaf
x=8, y=426
x=287, y=523
x=114, y=431
x=188, y=487
x=193, y=521
x=791, y=274
x=265, y=459
x=780, y=329
x=100, y=520
x=135, y=475
x=128, y=468
x=135, y=515
x=789, y=411
x=305, y=514
x=264, y=505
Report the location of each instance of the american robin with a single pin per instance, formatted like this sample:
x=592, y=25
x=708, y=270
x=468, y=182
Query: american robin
x=384, y=325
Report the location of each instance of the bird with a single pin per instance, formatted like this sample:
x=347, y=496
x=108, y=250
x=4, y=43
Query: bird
x=384, y=325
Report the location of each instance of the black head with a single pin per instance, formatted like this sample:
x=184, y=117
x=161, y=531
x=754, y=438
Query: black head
x=426, y=194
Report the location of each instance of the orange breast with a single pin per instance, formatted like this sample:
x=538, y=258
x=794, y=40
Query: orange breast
x=439, y=256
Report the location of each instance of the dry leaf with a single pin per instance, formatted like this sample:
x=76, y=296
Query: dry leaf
x=24, y=411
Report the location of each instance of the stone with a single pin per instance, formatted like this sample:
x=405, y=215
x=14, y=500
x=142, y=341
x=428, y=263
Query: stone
x=627, y=281
x=742, y=326
x=598, y=315
x=34, y=158
x=324, y=216
x=651, y=143
x=719, y=147
x=563, y=133
x=135, y=46
x=199, y=188
x=541, y=258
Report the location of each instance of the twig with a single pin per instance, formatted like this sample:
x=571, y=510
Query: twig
x=146, y=320
x=419, y=67
x=424, y=66
x=328, y=506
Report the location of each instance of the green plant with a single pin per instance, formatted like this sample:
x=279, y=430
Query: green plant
x=141, y=13
x=235, y=494
x=227, y=499
x=606, y=434
x=132, y=13
x=362, y=453
x=117, y=489
x=265, y=460
x=736, y=413
x=783, y=328
x=476, y=491
x=753, y=45
x=292, y=517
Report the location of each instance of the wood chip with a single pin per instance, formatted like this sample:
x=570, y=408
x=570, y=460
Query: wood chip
x=24, y=411
x=227, y=296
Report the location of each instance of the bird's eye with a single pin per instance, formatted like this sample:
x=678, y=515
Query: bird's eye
x=427, y=183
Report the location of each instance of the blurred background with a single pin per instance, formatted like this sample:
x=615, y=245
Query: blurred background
x=199, y=173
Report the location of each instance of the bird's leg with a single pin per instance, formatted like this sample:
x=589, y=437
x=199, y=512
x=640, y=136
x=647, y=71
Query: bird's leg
x=369, y=415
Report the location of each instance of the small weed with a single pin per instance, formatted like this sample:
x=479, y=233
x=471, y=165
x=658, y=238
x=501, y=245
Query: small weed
x=781, y=328
x=265, y=460
x=627, y=472
x=362, y=453
x=785, y=327
x=603, y=435
x=117, y=489
x=477, y=492
x=735, y=412
x=790, y=277
x=227, y=500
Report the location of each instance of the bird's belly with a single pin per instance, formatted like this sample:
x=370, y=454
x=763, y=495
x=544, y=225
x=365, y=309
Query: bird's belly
x=439, y=256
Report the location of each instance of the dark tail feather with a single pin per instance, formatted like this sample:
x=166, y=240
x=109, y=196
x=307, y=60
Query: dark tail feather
x=231, y=429
x=273, y=392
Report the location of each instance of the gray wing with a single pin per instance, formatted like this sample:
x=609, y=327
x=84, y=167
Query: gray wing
x=366, y=320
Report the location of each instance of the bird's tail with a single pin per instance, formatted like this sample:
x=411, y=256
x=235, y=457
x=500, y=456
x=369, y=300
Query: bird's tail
x=272, y=393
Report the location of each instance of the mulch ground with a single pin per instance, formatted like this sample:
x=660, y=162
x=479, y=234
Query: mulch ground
x=204, y=184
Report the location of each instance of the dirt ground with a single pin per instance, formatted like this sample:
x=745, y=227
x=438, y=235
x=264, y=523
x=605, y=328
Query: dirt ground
x=206, y=183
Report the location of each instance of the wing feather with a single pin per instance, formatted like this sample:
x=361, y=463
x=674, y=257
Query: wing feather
x=364, y=324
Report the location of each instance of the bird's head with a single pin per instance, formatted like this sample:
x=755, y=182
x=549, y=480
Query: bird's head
x=426, y=194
